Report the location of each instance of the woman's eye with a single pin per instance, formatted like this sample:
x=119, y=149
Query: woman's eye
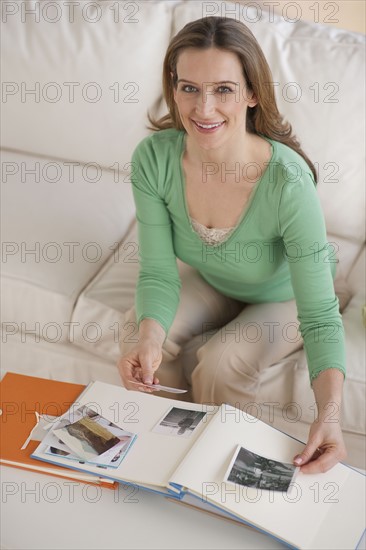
x=188, y=88
x=224, y=90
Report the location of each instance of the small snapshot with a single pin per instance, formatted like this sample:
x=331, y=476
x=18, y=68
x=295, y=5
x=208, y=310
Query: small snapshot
x=159, y=387
x=179, y=422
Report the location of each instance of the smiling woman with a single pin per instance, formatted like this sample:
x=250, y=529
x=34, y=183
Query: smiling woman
x=224, y=161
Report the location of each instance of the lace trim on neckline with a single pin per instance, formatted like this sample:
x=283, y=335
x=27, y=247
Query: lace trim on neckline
x=211, y=235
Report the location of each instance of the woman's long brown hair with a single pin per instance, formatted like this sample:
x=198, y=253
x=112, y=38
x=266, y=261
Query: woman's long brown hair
x=233, y=36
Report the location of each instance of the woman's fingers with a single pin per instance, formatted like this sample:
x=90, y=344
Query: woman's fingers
x=137, y=368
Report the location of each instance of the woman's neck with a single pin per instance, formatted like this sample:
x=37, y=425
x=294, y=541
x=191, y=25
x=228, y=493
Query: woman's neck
x=237, y=149
x=248, y=149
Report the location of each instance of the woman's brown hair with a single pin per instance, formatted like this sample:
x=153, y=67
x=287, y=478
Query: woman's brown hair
x=233, y=36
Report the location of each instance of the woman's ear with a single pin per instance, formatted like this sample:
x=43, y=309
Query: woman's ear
x=249, y=96
x=252, y=99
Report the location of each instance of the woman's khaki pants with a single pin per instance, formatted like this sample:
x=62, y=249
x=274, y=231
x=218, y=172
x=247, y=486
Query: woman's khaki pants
x=218, y=345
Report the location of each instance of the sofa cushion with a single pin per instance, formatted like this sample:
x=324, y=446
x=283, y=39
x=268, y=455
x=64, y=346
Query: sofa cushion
x=55, y=361
x=319, y=76
x=98, y=313
x=57, y=233
x=344, y=251
x=95, y=68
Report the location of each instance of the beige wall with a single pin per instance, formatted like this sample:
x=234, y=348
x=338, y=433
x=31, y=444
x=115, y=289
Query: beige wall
x=345, y=14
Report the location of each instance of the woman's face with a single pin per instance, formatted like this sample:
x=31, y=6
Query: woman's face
x=211, y=96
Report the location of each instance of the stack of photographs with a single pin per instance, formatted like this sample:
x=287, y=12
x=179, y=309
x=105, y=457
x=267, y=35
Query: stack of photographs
x=89, y=439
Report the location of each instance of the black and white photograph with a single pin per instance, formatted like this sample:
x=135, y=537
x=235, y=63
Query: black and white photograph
x=252, y=470
x=179, y=422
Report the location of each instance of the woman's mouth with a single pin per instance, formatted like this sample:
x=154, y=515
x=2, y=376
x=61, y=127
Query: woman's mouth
x=208, y=127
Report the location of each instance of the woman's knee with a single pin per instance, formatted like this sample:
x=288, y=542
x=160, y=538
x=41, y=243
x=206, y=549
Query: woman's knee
x=224, y=374
x=201, y=307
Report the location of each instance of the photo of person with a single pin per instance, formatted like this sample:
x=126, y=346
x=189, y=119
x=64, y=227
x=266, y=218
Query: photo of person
x=252, y=470
x=181, y=422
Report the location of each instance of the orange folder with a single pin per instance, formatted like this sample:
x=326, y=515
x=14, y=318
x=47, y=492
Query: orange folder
x=20, y=397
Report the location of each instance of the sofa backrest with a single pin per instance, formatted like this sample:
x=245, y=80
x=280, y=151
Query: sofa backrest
x=79, y=77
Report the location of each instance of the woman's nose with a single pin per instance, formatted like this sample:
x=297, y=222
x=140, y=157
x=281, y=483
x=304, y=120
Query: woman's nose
x=206, y=101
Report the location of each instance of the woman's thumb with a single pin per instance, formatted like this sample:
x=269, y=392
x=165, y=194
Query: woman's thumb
x=306, y=454
x=147, y=370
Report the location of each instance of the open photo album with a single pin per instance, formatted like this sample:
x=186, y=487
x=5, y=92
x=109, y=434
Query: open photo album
x=214, y=457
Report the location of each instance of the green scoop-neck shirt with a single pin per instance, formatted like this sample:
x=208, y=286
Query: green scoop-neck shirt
x=277, y=251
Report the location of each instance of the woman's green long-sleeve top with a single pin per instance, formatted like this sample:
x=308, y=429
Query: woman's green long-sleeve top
x=278, y=250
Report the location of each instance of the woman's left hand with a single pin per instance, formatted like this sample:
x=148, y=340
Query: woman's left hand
x=325, y=447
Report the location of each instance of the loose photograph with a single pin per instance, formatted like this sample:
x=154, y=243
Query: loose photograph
x=252, y=470
x=179, y=422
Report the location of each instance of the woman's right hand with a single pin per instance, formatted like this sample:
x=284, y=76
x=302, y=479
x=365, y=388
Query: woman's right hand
x=140, y=364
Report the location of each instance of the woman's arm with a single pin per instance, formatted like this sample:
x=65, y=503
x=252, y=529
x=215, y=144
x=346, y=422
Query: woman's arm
x=325, y=445
x=151, y=330
x=158, y=285
x=311, y=262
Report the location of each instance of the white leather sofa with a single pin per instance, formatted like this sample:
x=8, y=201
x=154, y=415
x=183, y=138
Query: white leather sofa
x=78, y=80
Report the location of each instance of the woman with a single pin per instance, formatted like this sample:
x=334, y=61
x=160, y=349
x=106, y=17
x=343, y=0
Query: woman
x=224, y=185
